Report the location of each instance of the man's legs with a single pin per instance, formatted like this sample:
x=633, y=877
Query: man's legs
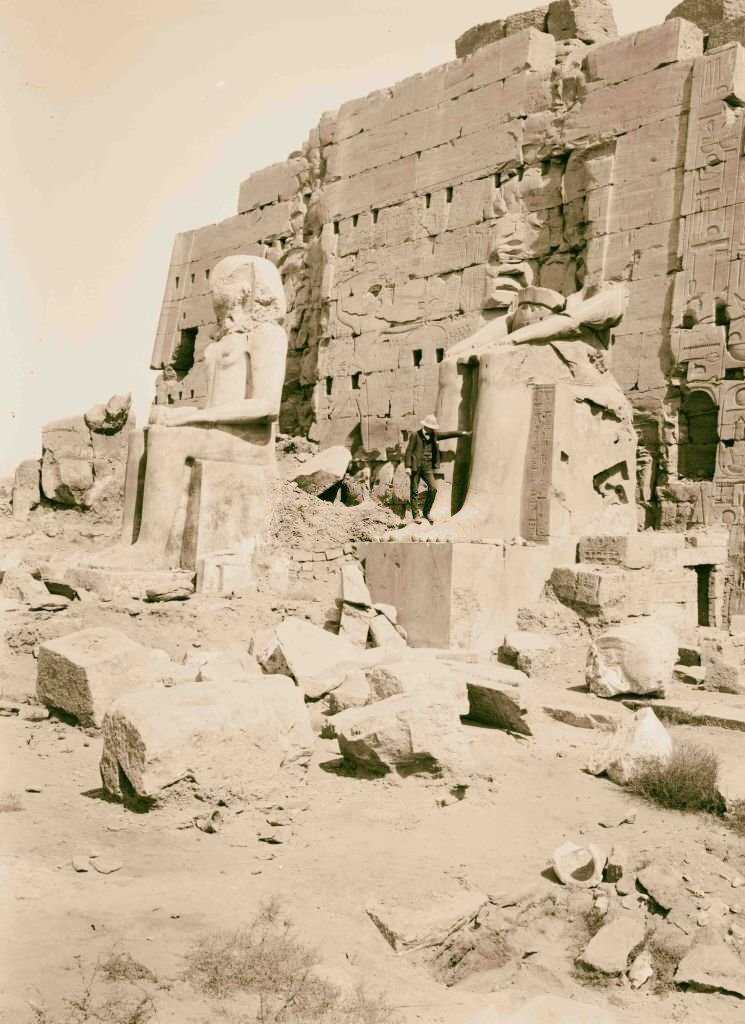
x=414, y=493
x=431, y=485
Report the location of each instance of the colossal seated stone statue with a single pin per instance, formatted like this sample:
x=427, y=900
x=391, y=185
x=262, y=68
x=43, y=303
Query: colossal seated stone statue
x=198, y=480
x=553, y=451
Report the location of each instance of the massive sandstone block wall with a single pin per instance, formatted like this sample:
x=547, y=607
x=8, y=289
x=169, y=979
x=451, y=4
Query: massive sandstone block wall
x=616, y=159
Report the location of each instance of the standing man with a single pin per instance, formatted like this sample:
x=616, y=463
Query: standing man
x=422, y=459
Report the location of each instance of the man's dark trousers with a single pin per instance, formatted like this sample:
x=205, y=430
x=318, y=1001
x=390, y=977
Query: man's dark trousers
x=424, y=473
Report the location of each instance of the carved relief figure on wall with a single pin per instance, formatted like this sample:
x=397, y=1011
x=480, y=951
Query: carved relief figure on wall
x=245, y=374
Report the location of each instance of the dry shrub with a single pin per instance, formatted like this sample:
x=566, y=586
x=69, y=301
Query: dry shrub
x=10, y=802
x=267, y=960
x=118, y=1004
x=687, y=782
x=123, y=967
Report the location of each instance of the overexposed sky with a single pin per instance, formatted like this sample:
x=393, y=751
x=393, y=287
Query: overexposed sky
x=125, y=121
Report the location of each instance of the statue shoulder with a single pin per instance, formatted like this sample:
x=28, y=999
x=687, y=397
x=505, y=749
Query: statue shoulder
x=268, y=334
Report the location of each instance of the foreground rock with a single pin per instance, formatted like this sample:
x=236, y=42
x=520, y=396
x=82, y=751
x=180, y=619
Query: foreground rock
x=324, y=470
x=82, y=673
x=532, y=653
x=245, y=740
x=712, y=967
x=609, y=949
x=406, y=733
x=316, y=659
x=19, y=585
x=641, y=739
x=635, y=657
x=500, y=696
x=417, y=923
x=579, y=867
x=26, y=488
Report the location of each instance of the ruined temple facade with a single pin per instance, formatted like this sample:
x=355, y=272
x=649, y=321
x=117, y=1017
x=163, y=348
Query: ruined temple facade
x=550, y=140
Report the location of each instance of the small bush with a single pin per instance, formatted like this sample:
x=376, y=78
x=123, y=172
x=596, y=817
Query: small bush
x=267, y=959
x=10, y=802
x=119, y=1005
x=123, y=967
x=687, y=782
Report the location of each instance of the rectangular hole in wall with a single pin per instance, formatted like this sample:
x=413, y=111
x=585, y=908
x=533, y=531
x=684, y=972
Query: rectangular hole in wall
x=191, y=393
x=498, y=179
x=180, y=395
x=178, y=280
x=417, y=356
x=183, y=358
x=355, y=381
x=355, y=220
x=329, y=385
x=207, y=274
x=375, y=216
x=427, y=200
x=449, y=194
x=440, y=354
x=170, y=399
x=192, y=278
x=336, y=227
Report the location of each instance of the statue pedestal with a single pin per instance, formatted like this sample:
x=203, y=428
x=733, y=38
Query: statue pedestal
x=458, y=594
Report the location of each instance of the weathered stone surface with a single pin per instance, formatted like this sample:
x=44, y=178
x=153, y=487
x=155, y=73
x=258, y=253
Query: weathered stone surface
x=479, y=35
x=413, y=923
x=353, y=587
x=578, y=867
x=245, y=740
x=641, y=739
x=535, y=654
x=109, y=418
x=609, y=949
x=724, y=675
x=82, y=673
x=67, y=461
x=353, y=692
x=355, y=623
x=548, y=1010
x=20, y=585
x=230, y=665
x=409, y=732
x=315, y=659
x=644, y=51
x=503, y=697
x=324, y=470
x=731, y=782
x=418, y=673
x=722, y=21
x=712, y=967
x=662, y=885
x=592, y=21
x=635, y=657
x=384, y=634
x=26, y=488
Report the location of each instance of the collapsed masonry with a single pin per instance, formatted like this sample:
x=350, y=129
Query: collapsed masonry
x=592, y=158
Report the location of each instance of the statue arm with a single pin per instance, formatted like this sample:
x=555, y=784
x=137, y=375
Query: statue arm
x=557, y=327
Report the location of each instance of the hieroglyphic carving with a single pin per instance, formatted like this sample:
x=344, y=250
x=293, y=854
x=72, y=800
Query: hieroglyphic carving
x=539, y=466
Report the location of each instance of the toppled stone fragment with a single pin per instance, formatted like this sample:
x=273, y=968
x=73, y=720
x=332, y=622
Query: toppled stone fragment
x=501, y=697
x=532, y=653
x=109, y=418
x=408, y=732
x=641, y=739
x=324, y=470
x=384, y=634
x=662, y=885
x=82, y=673
x=316, y=660
x=353, y=587
x=355, y=622
x=635, y=657
x=427, y=921
x=417, y=673
x=724, y=675
x=641, y=969
x=231, y=665
x=712, y=967
x=20, y=585
x=26, y=488
x=610, y=948
x=579, y=867
x=231, y=738
x=592, y=21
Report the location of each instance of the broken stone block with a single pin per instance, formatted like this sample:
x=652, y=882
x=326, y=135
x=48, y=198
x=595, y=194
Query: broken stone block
x=316, y=660
x=639, y=52
x=245, y=741
x=724, y=675
x=503, y=698
x=406, y=733
x=417, y=923
x=478, y=36
x=578, y=867
x=109, y=418
x=691, y=675
x=323, y=471
x=354, y=692
x=532, y=653
x=641, y=969
x=26, y=488
x=418, y=673
x=592, y=21
x=661, y=884
x=712, y=967
x=731, y=782
x=389, y=610
x=384, y=634
x=355, y=622
x=609, y=949
x=82, y=673
x=67, y=462
x=353, y=587
x=231, y=665
x=20, y=585
x=635, y=657
x=623, y=753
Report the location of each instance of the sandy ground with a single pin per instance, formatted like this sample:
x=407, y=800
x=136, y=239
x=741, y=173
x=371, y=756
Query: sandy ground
x=347, y=842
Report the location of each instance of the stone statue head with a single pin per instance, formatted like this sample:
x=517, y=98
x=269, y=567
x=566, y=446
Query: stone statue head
x=535, y=304
x=513, y=243
x=246, y=291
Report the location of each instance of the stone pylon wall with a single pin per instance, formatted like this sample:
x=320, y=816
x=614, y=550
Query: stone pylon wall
x=615, y=159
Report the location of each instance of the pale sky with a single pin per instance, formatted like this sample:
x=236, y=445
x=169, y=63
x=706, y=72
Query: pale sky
x=125, y=121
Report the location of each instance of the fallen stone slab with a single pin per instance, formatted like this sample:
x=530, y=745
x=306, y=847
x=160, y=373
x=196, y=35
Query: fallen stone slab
x=234, y=740
x=548, y=1010
x=426, y=920
x=625, y=751
x=383, y=633
x=111, y=584
x=418, y=673
x=635, y=657
x=230, y=665
x=579, y=867
x=712, y=967
x=406, y=733
x=690, y=675
x=532, y=653
x=19, y=585
x=576, y=710
x=317, y=660
x=82, y=673
x=685, y=706
x=323, y=471
x=354, y=692
x=353, y=587
x=592, y=21
x=663, y=885
x=502, y=697
x=168, y=592
x=354, y=624
x=610, y=949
